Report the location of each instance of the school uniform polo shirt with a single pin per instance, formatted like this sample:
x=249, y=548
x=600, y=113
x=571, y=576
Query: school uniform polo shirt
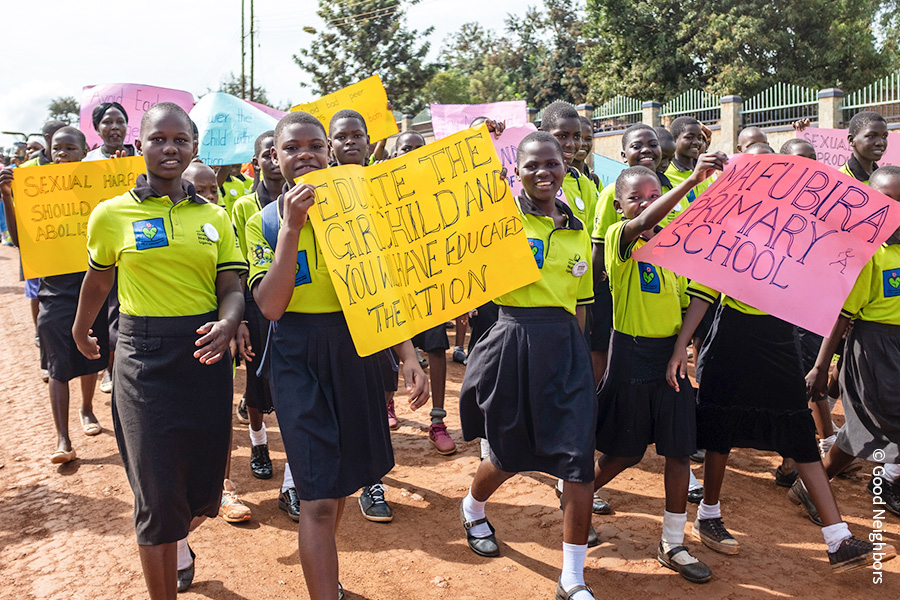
x=313, y=290
x=646, y=298
x=168, y=254
x=698, y=290
x=244, y=208
x=855, y=170
x=676, y=177
x=234, y=188
x=37, y=161
x=581, y=195
x=563, y=254
x=876, y=293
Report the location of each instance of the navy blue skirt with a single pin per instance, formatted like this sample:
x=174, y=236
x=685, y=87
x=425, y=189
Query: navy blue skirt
x=529, y=390
x=330, y=405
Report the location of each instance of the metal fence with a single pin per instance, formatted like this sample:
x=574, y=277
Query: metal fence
x=616, y=114
x=781, y=104
x=693, y=103
x=882, y=96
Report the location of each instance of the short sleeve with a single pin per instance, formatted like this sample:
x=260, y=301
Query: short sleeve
x=697, y=290
x=103, y=251
x=605, y=215
x=259, y=253
x=230, y=257
x=683, y=297
x=861, y=294
x=586, y=281
x=239, y=219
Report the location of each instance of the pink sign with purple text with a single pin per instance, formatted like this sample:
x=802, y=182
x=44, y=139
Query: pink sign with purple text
x=135, y=98
x=447, y=119
x=781, y=233
x=833, y=148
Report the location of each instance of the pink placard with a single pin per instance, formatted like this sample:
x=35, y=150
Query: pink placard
x=267, y=109
x=833, y=148
x=447, y=119
x=135, y=98
x=507, y=146
x=784, y=234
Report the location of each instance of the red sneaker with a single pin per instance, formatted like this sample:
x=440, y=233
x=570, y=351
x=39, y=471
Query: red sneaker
x=438, y=435
x=393, y=423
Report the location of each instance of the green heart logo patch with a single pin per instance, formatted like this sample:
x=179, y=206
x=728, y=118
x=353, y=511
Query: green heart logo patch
x=150, y=231
x=648, y=276
x=894, y=281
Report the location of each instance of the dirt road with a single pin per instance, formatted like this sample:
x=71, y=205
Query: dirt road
x=66, y=532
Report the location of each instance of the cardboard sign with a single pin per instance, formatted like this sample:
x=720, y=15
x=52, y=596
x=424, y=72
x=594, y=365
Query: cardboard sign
x=418, y=240
x=228, y=128
x=135, y=98
x=447, y=119
x=53, y=203
x=367, y=97
x=783, y=234
x=833, y=148
x=608, y=169
x=507, y=147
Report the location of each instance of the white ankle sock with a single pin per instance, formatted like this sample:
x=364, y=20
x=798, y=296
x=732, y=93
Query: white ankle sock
x=835, y=534
x=258, y=438
x=891, y=472
x=474, y=510
x=825, y=444
x=288, y=481
x=673, y=536
x=183, y=560
x=573, y=569
x=693, y=484
x=705, y=511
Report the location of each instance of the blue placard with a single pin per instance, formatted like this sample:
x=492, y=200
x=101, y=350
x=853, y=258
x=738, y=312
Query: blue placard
x=228, y=128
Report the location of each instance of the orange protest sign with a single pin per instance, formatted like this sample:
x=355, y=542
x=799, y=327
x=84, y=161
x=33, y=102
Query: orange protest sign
x=366, y=97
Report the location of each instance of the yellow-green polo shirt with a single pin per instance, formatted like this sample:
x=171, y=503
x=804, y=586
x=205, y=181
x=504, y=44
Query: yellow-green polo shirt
x=234, y=188
x=168, y=255
x=698, y=290
x=855, y=170
x=562, y=254
x=581, y=194
x=35, y=162
x=244, y=208
x=646, y=298
x=313, y=290
x=876, y=293
x=676, y=177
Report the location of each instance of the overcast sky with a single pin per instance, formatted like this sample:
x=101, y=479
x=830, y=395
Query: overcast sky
x=53, y=48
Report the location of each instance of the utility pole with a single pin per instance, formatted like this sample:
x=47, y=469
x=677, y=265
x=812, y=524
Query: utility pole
x=243, y=54
x=252, y=48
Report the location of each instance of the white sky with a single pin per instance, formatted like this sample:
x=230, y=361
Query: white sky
x=53, y=48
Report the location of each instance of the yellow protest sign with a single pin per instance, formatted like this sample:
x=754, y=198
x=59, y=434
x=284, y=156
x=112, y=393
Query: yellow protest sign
x=366, y=97
x=53, y=203
x=421, y=239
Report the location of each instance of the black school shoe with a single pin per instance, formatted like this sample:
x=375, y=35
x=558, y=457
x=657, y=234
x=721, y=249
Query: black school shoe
x=890, y=494
x=713, y=534
x=785, y=480
x=854, y=553
x=373, y=505
x=799, y=496
x=260, y=463
x=696, y=572
x=289, y=502
x=186, y=576
x=486, y=546
x=695, y=495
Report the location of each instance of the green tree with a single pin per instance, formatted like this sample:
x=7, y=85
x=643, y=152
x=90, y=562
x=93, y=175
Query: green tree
x=448, y=87
x=232, y=85
x=655, y=49
x=367, y=37
x=64, y=108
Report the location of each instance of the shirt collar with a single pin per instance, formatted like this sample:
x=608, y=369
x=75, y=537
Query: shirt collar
x=530, y=208
x=856, y=169
x=663, y=180
x=262, y=194
x=142, y=190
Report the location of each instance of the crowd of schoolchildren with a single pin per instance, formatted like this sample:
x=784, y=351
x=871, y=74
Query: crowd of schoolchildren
x=574, y=375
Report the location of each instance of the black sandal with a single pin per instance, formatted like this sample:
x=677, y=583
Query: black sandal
x=486, y=546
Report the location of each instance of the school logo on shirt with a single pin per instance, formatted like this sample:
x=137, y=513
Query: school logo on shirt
x=262, y=255
x=150, y=233
x=303, y=277
x=891, y=283
x=649, y=278
x=537, y=248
